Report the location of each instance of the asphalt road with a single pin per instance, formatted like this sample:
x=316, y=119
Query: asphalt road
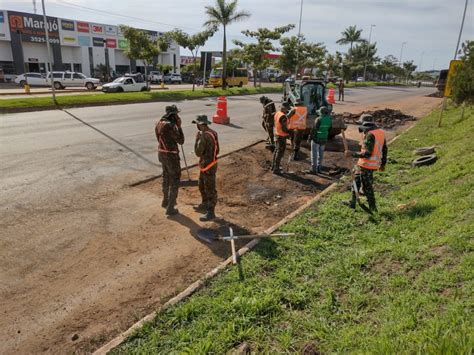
x=48, y=154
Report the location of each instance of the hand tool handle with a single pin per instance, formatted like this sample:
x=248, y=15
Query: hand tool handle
x=234, y=253
x=185, y=163
x=255, y=236
x=353, y=183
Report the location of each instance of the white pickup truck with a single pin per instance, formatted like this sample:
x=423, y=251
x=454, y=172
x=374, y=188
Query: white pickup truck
x=124, y=84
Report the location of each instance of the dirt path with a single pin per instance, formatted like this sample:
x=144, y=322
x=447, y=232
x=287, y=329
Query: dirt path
x=116, y=257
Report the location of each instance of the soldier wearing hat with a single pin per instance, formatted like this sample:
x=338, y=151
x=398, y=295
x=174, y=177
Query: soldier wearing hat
x=268, y=122
x=372, y=157
x=169, y=134
x=281, y=134
x=206, y=148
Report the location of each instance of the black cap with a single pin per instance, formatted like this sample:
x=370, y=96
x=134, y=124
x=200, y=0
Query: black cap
x=202, y=119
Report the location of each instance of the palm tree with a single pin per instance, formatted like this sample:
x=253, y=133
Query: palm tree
x=350, y=36
x=224, y=13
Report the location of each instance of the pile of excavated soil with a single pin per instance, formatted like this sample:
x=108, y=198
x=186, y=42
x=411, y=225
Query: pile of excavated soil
x=386, y=118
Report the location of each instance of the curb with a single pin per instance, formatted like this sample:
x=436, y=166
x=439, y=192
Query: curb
x=63, y=92
x=195, y=286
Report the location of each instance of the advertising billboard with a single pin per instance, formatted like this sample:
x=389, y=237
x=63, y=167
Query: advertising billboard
x=31, y=27
x=110, y=30
x=69, y=40
x=4, y=29
x=123, y=44
x=97, y=41
x=67, y=25
x=82, y=27
x=99, y=29
x=111, y=43
x=84, y=41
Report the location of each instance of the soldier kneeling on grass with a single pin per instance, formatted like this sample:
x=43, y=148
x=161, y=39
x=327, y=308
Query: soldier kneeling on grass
x=372, y=157
x=207, y=149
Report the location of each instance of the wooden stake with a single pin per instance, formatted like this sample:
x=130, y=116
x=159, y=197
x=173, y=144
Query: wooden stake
x=443, y=106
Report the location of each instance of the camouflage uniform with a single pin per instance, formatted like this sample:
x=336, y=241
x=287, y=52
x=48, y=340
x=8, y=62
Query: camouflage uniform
x=169, y=134
x=365, y=177
x=268, y=122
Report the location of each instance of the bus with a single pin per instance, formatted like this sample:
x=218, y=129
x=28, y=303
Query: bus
x=237, y=77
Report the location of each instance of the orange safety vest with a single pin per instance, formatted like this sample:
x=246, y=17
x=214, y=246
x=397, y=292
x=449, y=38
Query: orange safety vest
x=216, y=145
x=161, y=143
x=278, y=129
x=375, y=160
x=298, y=120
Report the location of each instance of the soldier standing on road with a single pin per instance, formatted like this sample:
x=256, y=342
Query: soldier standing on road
x=281, y=134
x=268, y=121
x=169, y=134
x=206, y=148
x=341, y=90
x=319, y=136
x=297, y=125
x=372, y=157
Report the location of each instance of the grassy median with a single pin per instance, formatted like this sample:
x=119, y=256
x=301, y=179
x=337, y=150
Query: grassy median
x=22, y=104
x=398, y=282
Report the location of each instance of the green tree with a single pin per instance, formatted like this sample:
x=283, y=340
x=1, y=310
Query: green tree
x=141, y=46
x=192, y=43
x=387, y=67
x=224, y=13
x=255, y=53
x=360, y=54
x=350, y=36
x=463, y=78
x=297, y=53
x=408, y=68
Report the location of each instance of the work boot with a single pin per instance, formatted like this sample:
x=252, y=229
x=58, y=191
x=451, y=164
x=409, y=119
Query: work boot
x=277, y=172
x=350, y=204
x=202, y=207
x=164, y=203
x=171, y=211
x=209, y=216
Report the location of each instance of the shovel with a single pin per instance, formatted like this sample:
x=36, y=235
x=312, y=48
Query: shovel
x=209, y=236
x=353, y=182
x=189, y=182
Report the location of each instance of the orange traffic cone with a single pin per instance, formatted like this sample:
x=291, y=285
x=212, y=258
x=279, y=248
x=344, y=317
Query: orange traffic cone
x=221, y=111
x=331, y=99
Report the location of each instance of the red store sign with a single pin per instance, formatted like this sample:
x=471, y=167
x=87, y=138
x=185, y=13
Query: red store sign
x=111, y=43
x=97, y=29
x=82, y=27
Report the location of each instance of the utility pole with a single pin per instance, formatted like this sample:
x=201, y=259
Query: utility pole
x=460, y=31
x=46, y=28
x=401, y=52
x=299, y=39
x=434, y=63
x=34, y=7
x=368, y=48
x=421, y=60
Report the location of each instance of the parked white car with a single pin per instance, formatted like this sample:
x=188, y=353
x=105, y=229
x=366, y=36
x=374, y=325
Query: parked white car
x=63, y=79
x=124, y=84
x=32, y=79
x=155, y=77
x=173, y=78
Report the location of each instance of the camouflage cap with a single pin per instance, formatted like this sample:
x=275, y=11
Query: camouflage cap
x=202, y=119
x=323, y=110
x=263, y=99
x=285, y=105
x=366, y=117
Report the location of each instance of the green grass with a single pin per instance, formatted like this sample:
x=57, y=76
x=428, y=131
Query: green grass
x=9, y=105
x=353, y=84
x=398, y=282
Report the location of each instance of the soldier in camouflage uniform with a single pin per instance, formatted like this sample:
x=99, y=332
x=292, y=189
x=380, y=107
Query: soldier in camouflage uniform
x=268, y=121
x=281, y=135
x=372, y=157
x=207, y=149
x=169, y=134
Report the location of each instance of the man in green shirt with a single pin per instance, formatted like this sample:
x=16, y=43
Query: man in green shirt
x=319, y=136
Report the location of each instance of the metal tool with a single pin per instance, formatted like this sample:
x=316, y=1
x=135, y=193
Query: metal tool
x=209, y=236
x=189, y=182
x=354, y=187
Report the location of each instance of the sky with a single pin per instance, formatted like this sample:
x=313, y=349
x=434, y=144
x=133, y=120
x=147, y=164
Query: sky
x=430, y=28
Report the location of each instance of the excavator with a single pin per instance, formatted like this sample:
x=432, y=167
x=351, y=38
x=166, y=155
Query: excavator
x=312, y=93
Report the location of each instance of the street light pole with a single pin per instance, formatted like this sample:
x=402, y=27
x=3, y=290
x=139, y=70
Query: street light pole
x=368, y=48
x=421, y=60
x=299, y=35
x=45, y=19
x=401, y=53
x=460, y=31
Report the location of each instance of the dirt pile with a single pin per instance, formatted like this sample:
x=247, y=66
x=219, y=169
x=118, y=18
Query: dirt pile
x=386, y=118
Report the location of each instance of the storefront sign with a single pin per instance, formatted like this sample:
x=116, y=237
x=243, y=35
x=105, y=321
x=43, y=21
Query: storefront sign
x=97, y=29
x=2, y=17
x=82, y=27
x=186, y=60
x=31, y=27
x=84, y=41
x=97, y=42
x=69, y=40
x=111, y=43
x=4, y=29
x=123, y=44
x=67, y=25
x=111, y=30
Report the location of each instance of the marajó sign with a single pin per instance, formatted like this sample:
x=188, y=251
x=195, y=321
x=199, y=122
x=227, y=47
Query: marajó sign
x=31, y=27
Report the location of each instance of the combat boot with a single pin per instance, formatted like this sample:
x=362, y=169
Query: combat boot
x=171, y=211
x=164, y=203
x=209, y=216
x=202, y=207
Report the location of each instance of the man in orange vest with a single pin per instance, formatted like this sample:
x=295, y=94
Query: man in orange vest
x=282, y=132
x=297, y=125
x=372, y=157
x=206, y=148
x=169, y=134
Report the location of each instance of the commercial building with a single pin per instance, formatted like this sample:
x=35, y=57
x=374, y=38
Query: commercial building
x=75, y=45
